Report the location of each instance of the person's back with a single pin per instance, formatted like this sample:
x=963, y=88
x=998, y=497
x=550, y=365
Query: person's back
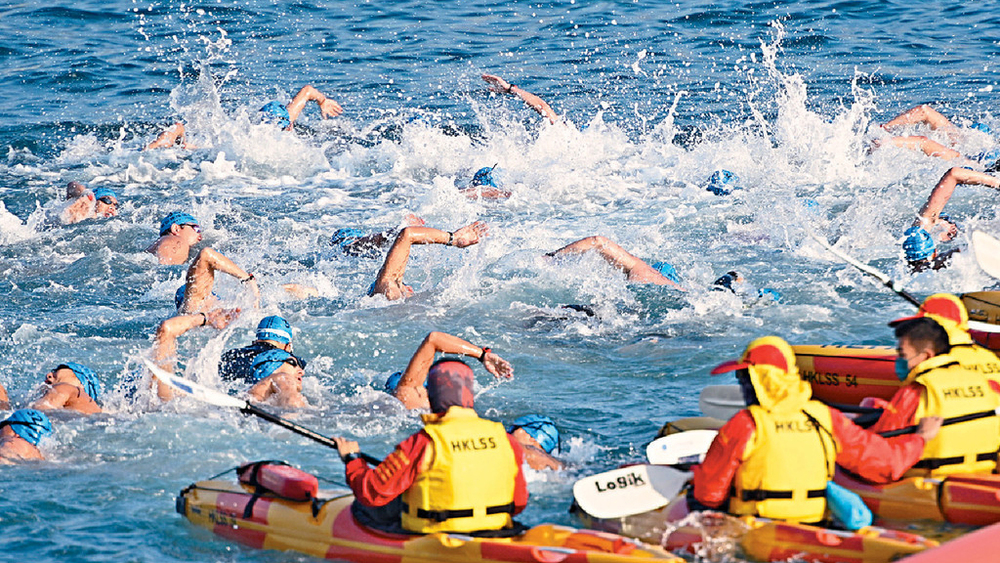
x=72, y=386
x=273, y=332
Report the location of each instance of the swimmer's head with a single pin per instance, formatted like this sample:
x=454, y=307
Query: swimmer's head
x=30, y=424
x=723, y=182
x=276, y=112
x=178, y=218
x=266, y=363
x=91, y=384
x=392, y=382
x=345, y=237
x=274, y=328
x=727, y=281
x=106, y=203
x=539, y=427
x=484, y=177
x=75, y=190
x=668, y=271
x=980, y=126
x=450, y=383
x=103, y=192
x=918, y=244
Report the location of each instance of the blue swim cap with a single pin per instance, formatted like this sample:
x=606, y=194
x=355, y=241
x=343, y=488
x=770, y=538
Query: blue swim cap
x=918, y=245
x=276, y=112
x=539, y=427
x=176, y=218
x=989, y=156
x=668, y=271
x=773, y=293
x=29, y=424
x=980, y=126
x=265, y=363
x=393, y=381
x=484, y=177
x=274, y=328
x=346, y=236
x=86, y=376
x=723, y=182
x=104, y=192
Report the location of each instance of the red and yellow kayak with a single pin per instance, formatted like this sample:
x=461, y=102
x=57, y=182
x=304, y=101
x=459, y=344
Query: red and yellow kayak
x=972, y=499
x=323, y=527
x=712, y=535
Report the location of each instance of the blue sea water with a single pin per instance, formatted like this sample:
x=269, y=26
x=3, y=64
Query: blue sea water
x=654, y=97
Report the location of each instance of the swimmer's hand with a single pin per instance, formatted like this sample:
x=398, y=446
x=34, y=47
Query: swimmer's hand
x=220, y=318
x=413, y=220
x=330, y=108
x=497, y=84
x=469, y=234
x=499, y=367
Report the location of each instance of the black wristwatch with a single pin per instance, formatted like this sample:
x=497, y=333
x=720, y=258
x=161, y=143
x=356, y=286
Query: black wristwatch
x=351, y=457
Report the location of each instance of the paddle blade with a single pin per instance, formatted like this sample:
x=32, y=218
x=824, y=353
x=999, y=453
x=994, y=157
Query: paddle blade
x=193, y=389
x=721, y=401
x=629, y=490
x=987, y=250
x=685, y=447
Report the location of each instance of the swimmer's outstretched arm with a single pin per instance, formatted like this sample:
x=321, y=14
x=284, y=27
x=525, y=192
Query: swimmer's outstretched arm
x=931, y=211
x=328, y=107
x=201, y=278
x=921, y=114
x=612, y=253
x=411, y=391
x=501, y=86
x=923, y=144
x=172, y=136
x=390, y=277
x=165, y=341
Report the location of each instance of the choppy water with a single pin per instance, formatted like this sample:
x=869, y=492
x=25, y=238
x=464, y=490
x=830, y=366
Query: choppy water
x=655, y=96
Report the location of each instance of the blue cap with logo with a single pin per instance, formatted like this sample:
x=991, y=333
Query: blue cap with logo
x=539, y=427
x=918, y=244
x=265, y=363
x=276, y=112
x=30, y=424
x=668, y=271
x=104, y=192
x=274, y=328
x=484, y=177
x=723, y=182
x=345, y=236
x=176, y=218
x=86, y=376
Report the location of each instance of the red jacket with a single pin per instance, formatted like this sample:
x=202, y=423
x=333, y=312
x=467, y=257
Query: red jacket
x=379, y=485
x=871, y=456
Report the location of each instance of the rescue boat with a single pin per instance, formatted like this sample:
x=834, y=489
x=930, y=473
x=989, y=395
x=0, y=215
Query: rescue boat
x=280, y=507
x=714, y=535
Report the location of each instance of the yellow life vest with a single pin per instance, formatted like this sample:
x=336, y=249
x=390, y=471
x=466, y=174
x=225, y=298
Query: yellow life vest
x=786, y=465
x=466, y=481
x=949, y=391
x=976, y=358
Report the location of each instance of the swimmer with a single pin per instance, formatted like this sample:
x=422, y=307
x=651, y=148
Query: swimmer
x=739, y=286
x=71, y=386
x=273, y=112
x=921, y=251
x=167, y=333
x=87, y=204
x=930, y=217
x=637, y=271
x=20, y=435
x=273, y=333
x=277, y=377
x=355, y=242
x=390, y=278
x=410, y=386
x=484, y=186
x=501, y=86
x=179, y=231
x=538, y=436
x=934, y=120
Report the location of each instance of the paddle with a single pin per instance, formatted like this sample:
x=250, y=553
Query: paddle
x=219, y=399
x=681, y=448
x=629, y=490
x=867, y=269
x=987, y=251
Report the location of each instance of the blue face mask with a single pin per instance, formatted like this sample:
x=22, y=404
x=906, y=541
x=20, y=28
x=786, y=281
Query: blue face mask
x=902, y=368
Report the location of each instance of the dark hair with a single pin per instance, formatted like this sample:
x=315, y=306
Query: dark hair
x=924, y=333
x=448, y=359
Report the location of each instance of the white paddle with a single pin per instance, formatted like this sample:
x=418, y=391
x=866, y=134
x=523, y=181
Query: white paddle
x=629, y=490
x=866, y=269
x=213, y=397
x=987, y=251
x=681, y=448
x=721, y=401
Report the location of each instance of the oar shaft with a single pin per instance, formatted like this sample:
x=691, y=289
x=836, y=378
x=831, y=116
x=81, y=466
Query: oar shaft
x=947, y=421
x=300, y=430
